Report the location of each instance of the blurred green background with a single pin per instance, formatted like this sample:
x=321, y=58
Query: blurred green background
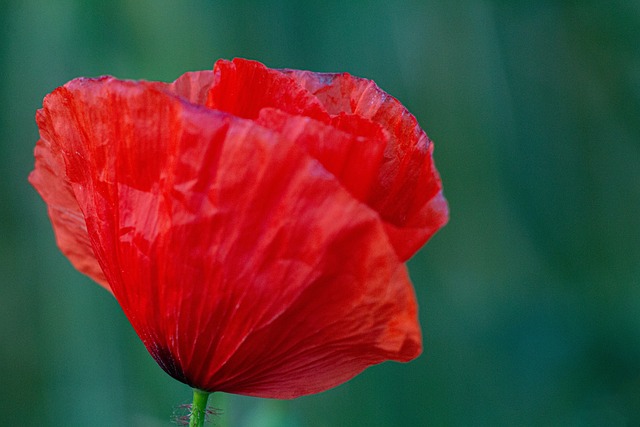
x=529, y=298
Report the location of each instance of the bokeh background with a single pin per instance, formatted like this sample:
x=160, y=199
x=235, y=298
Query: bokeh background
x=529, y=298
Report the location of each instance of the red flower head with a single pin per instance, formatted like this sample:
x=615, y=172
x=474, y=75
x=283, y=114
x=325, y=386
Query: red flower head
x=252, y=223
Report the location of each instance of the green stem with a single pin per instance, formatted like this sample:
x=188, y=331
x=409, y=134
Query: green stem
x=198, y=408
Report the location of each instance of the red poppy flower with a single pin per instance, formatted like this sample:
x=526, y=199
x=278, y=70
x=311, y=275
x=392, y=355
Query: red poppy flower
x=252, y=223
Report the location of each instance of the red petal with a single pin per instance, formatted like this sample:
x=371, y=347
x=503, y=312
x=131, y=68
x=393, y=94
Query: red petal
x=243, y=88
x=354, y=160
x=229, y=237
x=408, y=194
x=51, y=180
x=332, y=327
x=194, y=86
